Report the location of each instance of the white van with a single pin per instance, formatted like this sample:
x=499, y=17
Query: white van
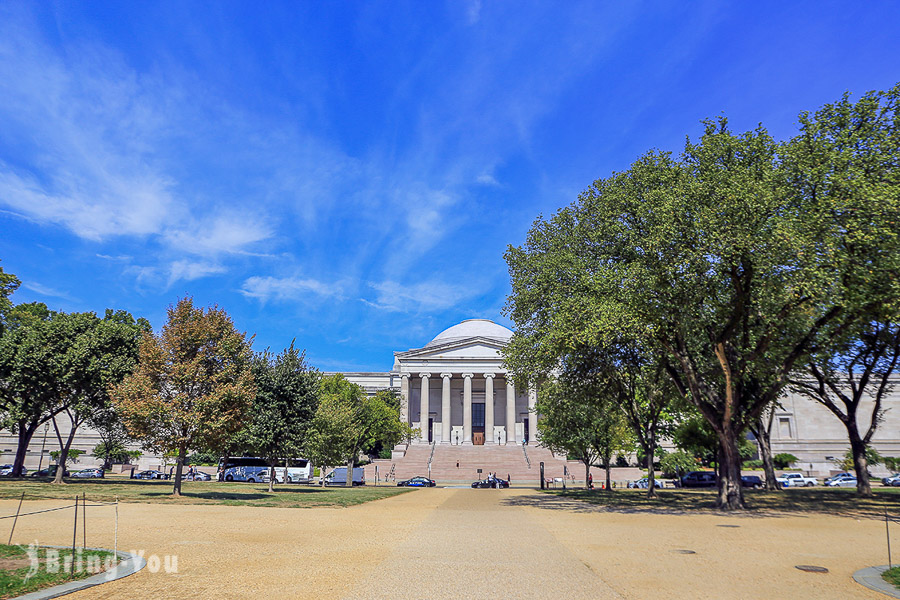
x=339, y=476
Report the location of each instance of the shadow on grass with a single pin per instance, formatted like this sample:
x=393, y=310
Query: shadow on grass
x=788, y=502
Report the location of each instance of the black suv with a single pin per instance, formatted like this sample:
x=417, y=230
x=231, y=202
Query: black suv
x=699, y=479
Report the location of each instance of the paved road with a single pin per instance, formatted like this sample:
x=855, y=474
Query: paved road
x=473, y=544
x=460, y=543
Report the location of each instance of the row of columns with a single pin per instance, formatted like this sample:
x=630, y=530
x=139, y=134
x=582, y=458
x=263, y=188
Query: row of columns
x=424, y=397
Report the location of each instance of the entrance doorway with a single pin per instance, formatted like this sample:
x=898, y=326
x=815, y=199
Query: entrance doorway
x=430, y=430
x=525, y=427
x=478, y=424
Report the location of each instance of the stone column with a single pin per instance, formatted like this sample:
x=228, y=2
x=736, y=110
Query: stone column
x=404, y=397
x=532, y=416
x=445, y=408
x=510, y=411
x=467, y=408
x=489, y=408
x=423, y=407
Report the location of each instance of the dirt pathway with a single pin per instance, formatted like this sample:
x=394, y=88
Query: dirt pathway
x=451, y=543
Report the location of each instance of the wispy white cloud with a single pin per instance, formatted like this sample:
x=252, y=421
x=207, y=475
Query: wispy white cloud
x=427, y=296
x=219, y=234
x=189, y=270
x=44, y=290
x=288, y=288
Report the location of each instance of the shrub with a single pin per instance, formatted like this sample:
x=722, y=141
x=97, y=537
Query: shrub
x=753, y=464
x=892, y=464
x=872, y=459
x=784, y=460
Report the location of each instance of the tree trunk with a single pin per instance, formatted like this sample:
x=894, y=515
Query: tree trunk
x=608, y=477
x=858, y=448
x=587, y=474
x=63, y=457
x=349, y=481
x=731, y=494
x=26, y=432
x=179, y=466
x=764, y=438
x=762, y=431
x=272, y=478
x=651, y=475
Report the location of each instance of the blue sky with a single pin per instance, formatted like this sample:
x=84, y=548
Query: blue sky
x=349, y=174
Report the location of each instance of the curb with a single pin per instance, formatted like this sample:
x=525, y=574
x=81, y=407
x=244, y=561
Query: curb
x=871, y=578
x=129, y=564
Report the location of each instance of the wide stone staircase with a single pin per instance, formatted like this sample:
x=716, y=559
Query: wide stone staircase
x=460, y=463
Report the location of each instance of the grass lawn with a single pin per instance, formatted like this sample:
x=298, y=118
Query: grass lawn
x=198, y=492
x=841, y=501
x=18, y=576
x=892, y=576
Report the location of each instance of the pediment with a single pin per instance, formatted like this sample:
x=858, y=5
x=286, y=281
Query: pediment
x=468, y=348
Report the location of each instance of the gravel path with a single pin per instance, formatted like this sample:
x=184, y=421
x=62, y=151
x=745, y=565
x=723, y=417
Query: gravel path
x=451, y=543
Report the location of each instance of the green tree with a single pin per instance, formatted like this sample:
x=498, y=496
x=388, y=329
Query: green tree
x=676, y=464
x=859, y=372
x=101, y=354
x=34, y=364
x=583, y=421
x=286, y=399
x=9, y=283
x=114, y=452
x=193, y=385
x=349, y=422
x=733, y=261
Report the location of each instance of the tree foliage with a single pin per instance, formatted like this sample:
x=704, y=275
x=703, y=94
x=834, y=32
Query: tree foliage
x=858, y=372
x=193, y=385
x=732, y=261
x=349, y=422
x=285, y=403
x=583, y=421
x=9, y=283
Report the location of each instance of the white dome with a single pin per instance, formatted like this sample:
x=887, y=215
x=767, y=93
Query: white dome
x=472, y=328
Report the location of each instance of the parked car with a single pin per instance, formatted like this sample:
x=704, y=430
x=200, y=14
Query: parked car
x=49, y=472
x=151, y=474
x=893, y=480
x=416, y=482
x=197, y=476
x=752, y=481
x=92, y=473
x=796, y=480
x=490, y=482
x=699, y=479
x=6, y=471
x=839, y=476
x=842, y=482
x=644, y=482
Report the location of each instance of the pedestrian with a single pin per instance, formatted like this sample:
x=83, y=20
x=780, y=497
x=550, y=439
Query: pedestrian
x=457, y=464
x=590, y=481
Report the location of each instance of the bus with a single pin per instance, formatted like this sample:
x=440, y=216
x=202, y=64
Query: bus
x=243, y=468
x=299, y=470
x=253, y=469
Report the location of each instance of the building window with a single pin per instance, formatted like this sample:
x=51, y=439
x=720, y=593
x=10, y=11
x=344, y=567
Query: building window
x=784, y=428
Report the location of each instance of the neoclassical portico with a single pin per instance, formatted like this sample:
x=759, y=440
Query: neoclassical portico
x=455, y=391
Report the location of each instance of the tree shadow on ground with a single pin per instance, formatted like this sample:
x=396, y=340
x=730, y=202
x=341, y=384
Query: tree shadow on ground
x=799, y=502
